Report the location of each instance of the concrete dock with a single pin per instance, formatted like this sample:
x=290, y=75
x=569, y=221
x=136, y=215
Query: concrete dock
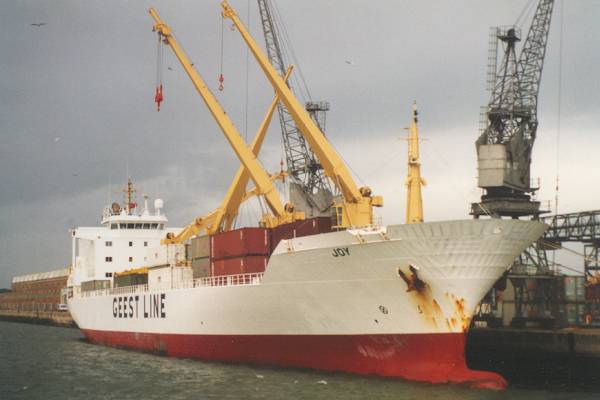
x=567, y=342
x=56, y=318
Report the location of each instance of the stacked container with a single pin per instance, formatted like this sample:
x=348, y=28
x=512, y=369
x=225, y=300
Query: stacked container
x=592, y=294
x=131, y=280
x=200, y=256
x=574, y=297
x=307, y=227
x=240, y=251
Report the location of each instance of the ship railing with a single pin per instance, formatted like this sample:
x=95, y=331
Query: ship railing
x=115, y=290
x=230, y=280
x=225, y=280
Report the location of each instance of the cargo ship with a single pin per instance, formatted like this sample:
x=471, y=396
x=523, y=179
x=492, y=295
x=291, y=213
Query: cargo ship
x=337, y=293
x=393, y=301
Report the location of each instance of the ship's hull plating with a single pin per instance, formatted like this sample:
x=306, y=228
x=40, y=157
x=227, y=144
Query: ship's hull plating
x=434, y=358
x=395, y=303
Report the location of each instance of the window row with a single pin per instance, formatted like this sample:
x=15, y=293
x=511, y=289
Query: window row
x=109, y=259
x=137, y=226
x=109, y=243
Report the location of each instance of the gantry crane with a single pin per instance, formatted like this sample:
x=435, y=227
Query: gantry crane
x=504, y=148
x=264, y=186
x=504, y=153
x=355, y=207
x=309, y=187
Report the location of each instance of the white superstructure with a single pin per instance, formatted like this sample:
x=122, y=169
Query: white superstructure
x=126, y=239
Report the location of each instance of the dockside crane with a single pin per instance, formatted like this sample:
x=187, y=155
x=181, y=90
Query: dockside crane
x=504, y=155
x=264, y=186
x=309, y=187
x=504, y=148
x=355, y=207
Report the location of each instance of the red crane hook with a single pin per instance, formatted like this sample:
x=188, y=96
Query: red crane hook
x=158, y=97
x=221, y=80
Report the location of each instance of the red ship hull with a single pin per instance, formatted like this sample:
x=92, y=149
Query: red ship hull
x=433, y=358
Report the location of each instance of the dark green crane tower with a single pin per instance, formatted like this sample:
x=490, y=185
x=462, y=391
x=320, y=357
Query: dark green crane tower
x=510, y=127
x=310, y=190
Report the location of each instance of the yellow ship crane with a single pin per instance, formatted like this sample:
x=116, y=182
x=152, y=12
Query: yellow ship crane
x=414, y=181
x=356, y=206
x=222, y=218
x=281, y=214
x=236, y=193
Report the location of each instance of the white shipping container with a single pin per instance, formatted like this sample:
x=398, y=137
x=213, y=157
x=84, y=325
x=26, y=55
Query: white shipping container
x=171, y=254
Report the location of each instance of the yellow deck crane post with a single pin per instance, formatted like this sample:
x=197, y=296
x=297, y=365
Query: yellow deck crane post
x=222, y=218
x=414, y=181
x=356, y=206
x=280, y=214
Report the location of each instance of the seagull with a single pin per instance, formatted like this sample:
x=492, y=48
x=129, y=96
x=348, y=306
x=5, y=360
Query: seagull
x=57, y=139
x=170, y=69
x=349, y=62
x=38, y=24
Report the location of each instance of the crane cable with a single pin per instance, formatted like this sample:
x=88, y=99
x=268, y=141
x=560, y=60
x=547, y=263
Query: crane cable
x=559, y=101
x=221, y=78
x=559, y=111
x=158, y=95
x=288, y=49
x=525, y=13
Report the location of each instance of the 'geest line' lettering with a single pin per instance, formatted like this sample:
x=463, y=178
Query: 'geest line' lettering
x=152, y=306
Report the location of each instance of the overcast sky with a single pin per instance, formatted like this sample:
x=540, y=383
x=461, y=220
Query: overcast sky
x=77, y=110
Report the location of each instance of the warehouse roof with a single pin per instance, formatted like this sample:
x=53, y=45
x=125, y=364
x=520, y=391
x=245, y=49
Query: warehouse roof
x=41, y=275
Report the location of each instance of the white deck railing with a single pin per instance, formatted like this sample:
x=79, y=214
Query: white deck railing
x=227, y=280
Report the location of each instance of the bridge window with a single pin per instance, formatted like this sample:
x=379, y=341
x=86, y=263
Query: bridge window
x=108, y=259
x=108, y=244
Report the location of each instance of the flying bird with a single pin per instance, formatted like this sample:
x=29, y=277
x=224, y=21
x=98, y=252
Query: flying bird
x=57, y=139
x=170, y=69
x=38, y=24
x=349, y=62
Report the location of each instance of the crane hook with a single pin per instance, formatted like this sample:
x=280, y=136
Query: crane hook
x=158, y=97
x=221, y=80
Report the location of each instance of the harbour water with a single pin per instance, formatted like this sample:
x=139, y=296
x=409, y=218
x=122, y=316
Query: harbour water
x=43, y=362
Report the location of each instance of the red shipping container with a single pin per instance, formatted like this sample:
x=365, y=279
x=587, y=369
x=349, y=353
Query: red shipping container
x=307, y=227
x=313, y=226
x=592, y=293
x=239, y=265
x=240, y=242
x=282, y=232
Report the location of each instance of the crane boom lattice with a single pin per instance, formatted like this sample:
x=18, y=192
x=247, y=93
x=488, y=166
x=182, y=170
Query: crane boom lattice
x=504, y=148
x=310, y=189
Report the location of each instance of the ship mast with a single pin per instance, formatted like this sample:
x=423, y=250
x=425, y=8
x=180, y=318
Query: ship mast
x=414, y=201
x=129, y=191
